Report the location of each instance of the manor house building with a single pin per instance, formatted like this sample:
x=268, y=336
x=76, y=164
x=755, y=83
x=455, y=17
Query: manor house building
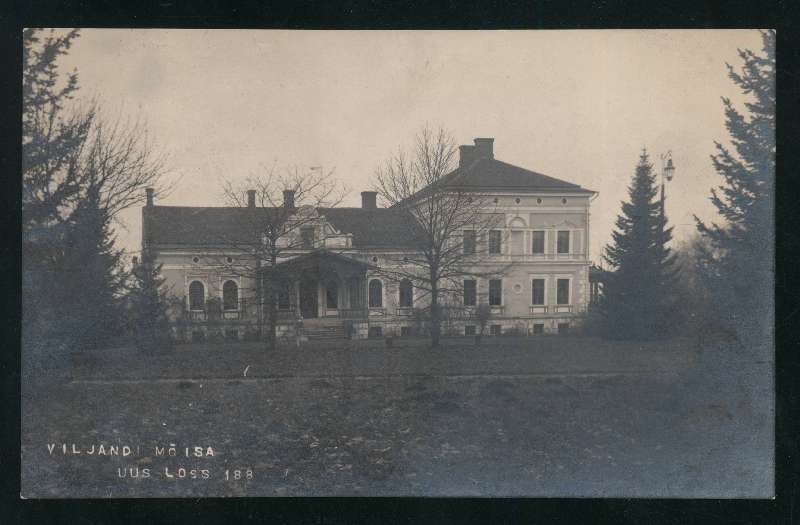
x=338, y=271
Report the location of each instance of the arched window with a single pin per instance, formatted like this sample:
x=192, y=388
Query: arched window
x=197, y=296
x=230, y=296
x=375, y=294
x=406, y=294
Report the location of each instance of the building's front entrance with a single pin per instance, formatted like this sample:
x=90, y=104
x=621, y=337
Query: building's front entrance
x=309, y=297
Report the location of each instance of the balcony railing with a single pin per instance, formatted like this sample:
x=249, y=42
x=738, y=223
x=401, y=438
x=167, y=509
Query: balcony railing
x=352, y=313
x=197, y=315
x=377, y=312
x=551, y=309
x=232, y=315
x=533, y=257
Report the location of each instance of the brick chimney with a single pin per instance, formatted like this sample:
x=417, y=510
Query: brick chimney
x=466, y=154
x=288, y=199
x=149, y=195
x=251, y=198
x=483, y=149
x=369, y=200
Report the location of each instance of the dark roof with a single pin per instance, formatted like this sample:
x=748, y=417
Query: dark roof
x=373, y=227
x=378, y=227
x=191, y=226
x=489, y=174
x=316, y=258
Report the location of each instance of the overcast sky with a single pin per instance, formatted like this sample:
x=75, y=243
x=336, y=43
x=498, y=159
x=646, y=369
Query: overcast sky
x=576, y=105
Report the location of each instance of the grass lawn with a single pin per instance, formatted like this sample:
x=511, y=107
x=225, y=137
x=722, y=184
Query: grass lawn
x=547, y=416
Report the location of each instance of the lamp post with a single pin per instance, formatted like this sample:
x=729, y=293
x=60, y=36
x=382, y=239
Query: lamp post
x=667, y=172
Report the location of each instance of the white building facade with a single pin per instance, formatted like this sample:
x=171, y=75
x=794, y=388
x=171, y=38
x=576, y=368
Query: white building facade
x=336, y=283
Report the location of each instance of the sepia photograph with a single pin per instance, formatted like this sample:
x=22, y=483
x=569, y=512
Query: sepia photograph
x=477, y=263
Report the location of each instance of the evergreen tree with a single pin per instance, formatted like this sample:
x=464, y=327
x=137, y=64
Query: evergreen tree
x=93, y=278
x=148, y=306
x=52, y=141
x=638, y=300
x=737, y=262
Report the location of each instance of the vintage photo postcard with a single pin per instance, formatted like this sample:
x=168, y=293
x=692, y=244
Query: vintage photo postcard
x=398, y=263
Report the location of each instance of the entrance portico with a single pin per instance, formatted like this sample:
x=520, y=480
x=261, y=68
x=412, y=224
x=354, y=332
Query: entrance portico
x=322, y=284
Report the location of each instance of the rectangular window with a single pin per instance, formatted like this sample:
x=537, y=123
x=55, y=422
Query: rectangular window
x=470, y=242
x=307, y=237
x=405, y=331
x=537, y=292
x=563, y=242
x=495, y=329
x=470, y=292
x=495, y=292
x=375, y=331
x=495, y=242
x=562, y=291
x=538, y=329
x=538, y=242
x=469, y=329
x=563, y=328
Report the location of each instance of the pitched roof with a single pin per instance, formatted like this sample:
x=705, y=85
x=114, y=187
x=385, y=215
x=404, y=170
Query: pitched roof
x=377, y=227
x=492, y=174
x=373, y=227
x=489, y=174
x=192, y=226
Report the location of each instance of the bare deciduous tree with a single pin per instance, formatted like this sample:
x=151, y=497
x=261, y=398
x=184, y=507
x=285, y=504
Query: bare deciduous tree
x=450, y=223
x=118, y=161
x=283, y=204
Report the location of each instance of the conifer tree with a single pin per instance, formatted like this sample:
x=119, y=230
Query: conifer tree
x=52, y=141
x=93, y=278
x=148, y=306
x=737, y=263
x=638, y=300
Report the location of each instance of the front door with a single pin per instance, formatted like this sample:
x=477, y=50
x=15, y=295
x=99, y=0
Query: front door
x=308, y=298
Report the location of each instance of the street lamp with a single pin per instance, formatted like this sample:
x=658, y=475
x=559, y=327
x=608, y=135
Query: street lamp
x=667, y=172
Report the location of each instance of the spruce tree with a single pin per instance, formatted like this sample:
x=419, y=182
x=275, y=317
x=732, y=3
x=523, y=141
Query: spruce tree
x=93, y=278
x=52, y=140
x=638, y=300
x=737, y=263
x=148, y=304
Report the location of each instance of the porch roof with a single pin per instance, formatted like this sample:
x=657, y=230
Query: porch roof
x=320, y=261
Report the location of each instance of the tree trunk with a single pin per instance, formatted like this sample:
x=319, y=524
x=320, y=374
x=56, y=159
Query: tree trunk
x=436, y=326
x=259, y=300
x=272, y=307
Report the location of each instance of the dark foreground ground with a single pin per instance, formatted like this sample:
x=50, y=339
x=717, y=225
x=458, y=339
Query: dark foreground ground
x=525, y=417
